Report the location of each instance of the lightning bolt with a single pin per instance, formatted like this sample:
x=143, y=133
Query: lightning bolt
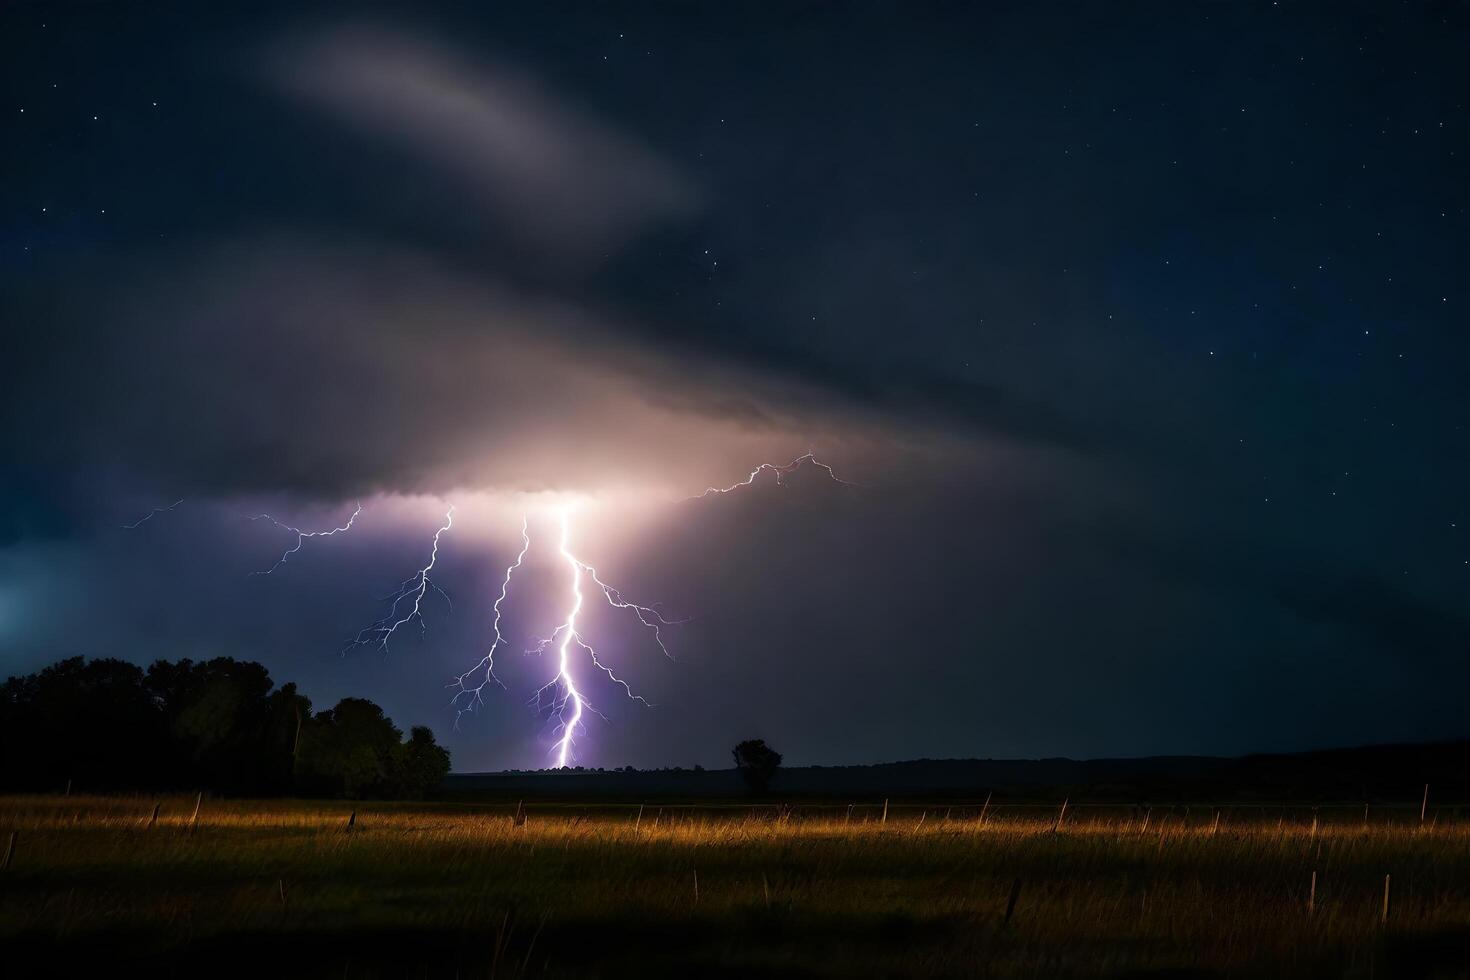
x=561, y=695
x=781, y=473
x=301, y=536
x=569, y=694
x=561, y=698
x=467, y=698
x=647, y=615
x=411, y=590
x=152, y=514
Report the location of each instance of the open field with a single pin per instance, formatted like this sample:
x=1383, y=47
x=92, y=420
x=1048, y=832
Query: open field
x=286, y=889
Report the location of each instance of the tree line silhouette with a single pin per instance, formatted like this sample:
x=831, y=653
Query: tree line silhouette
x=220, y=725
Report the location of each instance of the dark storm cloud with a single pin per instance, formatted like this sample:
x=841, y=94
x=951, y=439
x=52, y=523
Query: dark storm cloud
x=547, y=174
x=295, y=365
x=1403, y=624
x=327, y=364
x=292, y=365
x=1357, y=604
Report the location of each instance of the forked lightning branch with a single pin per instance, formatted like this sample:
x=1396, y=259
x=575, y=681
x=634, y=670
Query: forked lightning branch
x=562, y=699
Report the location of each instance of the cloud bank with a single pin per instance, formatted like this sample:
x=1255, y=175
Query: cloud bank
x=548, y=174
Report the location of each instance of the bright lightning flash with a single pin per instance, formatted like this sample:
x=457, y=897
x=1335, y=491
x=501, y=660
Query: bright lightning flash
x=301, y=536
x=411, y=591
x=569, y=695
x=468, y=698
x=781, y=473
x=561, y=695
x=561, y=698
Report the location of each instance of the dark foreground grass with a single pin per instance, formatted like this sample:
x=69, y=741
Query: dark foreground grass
x=285, y=889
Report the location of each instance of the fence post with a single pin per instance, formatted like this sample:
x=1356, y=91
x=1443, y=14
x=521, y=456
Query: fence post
x=1061, y=814
x=1011, y=903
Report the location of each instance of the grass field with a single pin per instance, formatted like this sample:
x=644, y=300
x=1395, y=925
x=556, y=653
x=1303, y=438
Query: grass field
x=287, y=889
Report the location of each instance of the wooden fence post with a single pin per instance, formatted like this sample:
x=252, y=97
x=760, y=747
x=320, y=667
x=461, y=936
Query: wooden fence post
x=1011, y=902
x=1061, y=814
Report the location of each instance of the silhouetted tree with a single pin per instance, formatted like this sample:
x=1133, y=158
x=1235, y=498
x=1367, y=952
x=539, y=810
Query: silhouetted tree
x=287, y=713
x=757, y=763
x=348, y=750
x=216, y=725
x=87, y=721
x=217, y=713
x=422, y=764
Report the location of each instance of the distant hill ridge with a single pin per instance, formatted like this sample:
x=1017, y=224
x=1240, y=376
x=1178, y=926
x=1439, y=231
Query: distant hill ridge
x=1376, y=772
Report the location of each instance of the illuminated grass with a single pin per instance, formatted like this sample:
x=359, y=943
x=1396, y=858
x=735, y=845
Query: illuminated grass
x=439, y=888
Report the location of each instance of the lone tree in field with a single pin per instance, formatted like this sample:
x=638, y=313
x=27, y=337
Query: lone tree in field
x=757, y=762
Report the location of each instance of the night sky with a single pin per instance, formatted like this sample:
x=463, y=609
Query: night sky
x=1137, y=332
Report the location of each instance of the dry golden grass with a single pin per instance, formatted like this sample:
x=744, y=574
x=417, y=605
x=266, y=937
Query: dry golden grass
x=437, y=889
